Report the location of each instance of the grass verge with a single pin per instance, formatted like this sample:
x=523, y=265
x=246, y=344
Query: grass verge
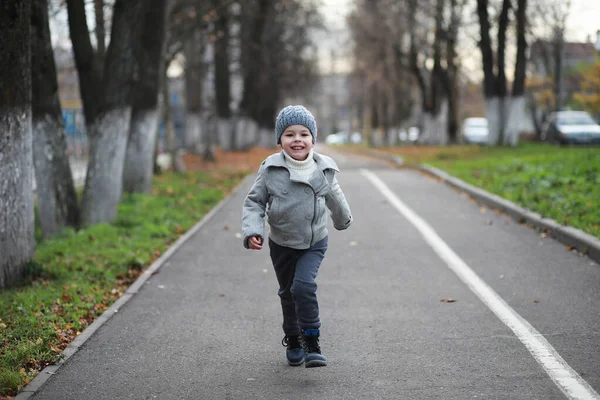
x=561, y=183
x=74, y=277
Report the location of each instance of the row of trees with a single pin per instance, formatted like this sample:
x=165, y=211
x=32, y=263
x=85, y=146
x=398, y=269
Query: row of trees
x=407, y=52
x=263, y=43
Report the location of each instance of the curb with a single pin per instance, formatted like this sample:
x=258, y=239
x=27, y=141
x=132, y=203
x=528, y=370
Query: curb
x=583, y=242
x=396, y=160
x=32, y=387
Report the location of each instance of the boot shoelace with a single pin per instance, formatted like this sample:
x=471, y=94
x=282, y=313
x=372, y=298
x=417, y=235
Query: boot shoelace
x=311, y=344
x=291, y=342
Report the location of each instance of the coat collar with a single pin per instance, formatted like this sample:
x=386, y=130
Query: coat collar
x=323, y=162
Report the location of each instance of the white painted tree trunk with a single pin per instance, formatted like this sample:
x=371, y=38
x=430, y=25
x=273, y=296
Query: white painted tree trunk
x=53, y=176
x=493, y=113
x=242, y=131
x=266, y=138
x=516, y=118
x=139, y=156
x=224, y=133
x=17, y=242
x=392, y=137
x=253, y=133
x=435, y=127
x=428, y=127
x=193, y=132
x=441, y=125
x=104, y=180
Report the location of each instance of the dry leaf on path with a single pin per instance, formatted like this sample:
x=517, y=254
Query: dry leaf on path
x=448, y=300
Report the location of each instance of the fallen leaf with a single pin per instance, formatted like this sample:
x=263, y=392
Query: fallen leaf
x=226, y=227
x=447, y=300
x=482, y=210
x=91, y=238
x=536, y=301
x=569, y=248
x=221, y=294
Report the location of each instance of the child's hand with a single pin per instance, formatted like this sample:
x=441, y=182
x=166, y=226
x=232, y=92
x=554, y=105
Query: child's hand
x=255, y=242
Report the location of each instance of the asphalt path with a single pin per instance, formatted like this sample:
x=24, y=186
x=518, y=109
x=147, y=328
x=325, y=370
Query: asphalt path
x=207, y=326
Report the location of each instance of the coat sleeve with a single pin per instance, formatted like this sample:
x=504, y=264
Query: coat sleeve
x=253, y=212
x=337, y=204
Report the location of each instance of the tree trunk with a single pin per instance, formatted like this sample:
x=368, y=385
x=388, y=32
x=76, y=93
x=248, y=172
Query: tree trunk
x=493, y=113
x=194, y=74
x=109, y=130
x=516, y=106
x=100, y=31
x=176, y=156
x=516, y=115
x=139, y=156
x=89, y=69
x=222, y=81
x=252, y=55
x=17, y=224
x=57, y=201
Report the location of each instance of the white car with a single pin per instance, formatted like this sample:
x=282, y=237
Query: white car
x=336, y=138
x=475, y=130
x=412, y=135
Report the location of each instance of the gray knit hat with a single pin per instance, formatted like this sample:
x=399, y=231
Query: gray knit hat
x=292, y=115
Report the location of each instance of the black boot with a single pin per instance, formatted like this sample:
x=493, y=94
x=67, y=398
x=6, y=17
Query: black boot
x=313, y=356
x=294, y=352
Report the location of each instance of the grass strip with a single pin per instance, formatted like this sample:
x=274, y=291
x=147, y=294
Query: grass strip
x=561, y=183
x=77, y=275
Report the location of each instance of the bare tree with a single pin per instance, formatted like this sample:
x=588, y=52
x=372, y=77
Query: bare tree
x=57, y=201
x=275, y=61
x=106, y=99
x=547, y=29
x=137, y=171
x=498, y=106
x=222, y=75
x=17, y=243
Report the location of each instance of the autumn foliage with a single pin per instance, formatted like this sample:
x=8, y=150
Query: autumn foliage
x=588, y=98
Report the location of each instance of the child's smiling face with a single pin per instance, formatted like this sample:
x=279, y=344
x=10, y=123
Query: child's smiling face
x=297, y=141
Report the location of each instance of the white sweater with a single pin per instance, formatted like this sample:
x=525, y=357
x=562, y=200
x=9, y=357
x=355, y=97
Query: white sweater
x=305, y=168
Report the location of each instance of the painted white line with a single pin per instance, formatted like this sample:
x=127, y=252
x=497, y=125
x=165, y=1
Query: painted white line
x=571, y=384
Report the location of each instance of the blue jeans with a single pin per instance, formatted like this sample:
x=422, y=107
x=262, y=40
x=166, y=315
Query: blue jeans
x=296, y=271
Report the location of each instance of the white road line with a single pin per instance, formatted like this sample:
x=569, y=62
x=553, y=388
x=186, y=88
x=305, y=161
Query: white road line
x=571, y=384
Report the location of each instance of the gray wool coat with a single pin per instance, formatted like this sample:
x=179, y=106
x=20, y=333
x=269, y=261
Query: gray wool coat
x=296, y=210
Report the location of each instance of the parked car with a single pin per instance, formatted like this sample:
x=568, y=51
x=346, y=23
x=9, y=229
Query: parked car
x=475, y=130
x=343, y=138
x=336, y=138
x=571, y=127
x=410, y=135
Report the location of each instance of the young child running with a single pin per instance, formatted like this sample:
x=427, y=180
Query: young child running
x=294, y=189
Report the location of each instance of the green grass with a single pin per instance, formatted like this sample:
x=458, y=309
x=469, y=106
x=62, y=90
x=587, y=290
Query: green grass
x=561, y=183
x=76, y=276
